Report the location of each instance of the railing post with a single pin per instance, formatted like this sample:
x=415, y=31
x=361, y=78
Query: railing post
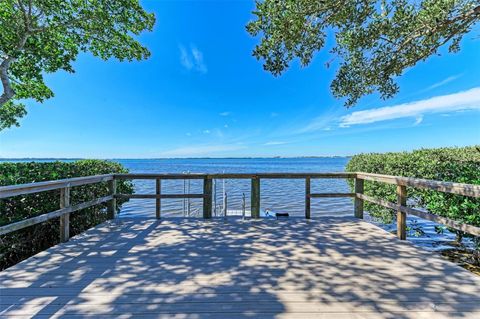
x=307, y=197
x=401, y=216
x=207, y=197
x=112, y=204
x=255, y=197
x=158, y=203
x=65, y=218
x=358, y=204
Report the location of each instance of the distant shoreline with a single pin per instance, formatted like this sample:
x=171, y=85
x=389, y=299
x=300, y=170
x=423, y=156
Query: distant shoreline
x=165, y=158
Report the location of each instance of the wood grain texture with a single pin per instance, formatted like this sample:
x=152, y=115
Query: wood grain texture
x=279, y=175
x=473, y=230
x=401, y=215
x=158, y=192
x=24, y=189
x=55, y=214
x=112, y=205
x=307, y=198
x=327, y=195
x=470, y=190
x=358, y=203
x=193, y=268
x=65, y=218
x=207, y=197
x=255, y=197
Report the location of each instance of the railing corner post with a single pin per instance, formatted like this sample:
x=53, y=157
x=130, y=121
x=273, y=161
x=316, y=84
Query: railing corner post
x=401, y=216
x=112, y=205
x=255, y=198
x=358, y=204
x=65, y=218
x=207, y=197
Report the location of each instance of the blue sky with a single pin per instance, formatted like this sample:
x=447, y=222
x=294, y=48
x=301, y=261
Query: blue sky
x=202, y=94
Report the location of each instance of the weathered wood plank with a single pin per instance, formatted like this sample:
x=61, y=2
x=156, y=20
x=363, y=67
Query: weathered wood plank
x=158, y=192
x=358, y=203
x=24, y=189
x=470, y=190
x=44, y=217
x=65, y=218
x=323, y=268
x=307, y=197
x=156, y=196
x=207, y=197
x=237, y=175
x=473, y=230
x=112, y=205
x=326, y=195
x=255, y=197
x=401, y=216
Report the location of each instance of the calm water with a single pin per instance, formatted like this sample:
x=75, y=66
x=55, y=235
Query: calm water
x=276, y=195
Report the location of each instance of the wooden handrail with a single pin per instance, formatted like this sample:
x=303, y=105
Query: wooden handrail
x=30, y=188
x=235, y=175
x=55, y=214
x=469, y=190
x=425, y=215
x=65, y=185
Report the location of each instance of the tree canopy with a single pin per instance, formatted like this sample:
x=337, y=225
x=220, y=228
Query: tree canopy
x=375, y=40
x=44, y=36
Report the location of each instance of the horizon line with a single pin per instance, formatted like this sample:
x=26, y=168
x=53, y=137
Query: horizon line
x=167, y=158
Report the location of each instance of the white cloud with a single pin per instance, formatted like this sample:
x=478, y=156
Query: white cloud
x=202, y=150
x=461, y=101
x=192, y=59
x=275, y=143
x=443, y=82
x=225, y=113
x=206, y=132
x=185, y=59
x=198, y=58
x=418, y=120
x=319, y=123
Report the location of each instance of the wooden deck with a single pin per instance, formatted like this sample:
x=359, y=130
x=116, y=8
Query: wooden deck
x=296, y=268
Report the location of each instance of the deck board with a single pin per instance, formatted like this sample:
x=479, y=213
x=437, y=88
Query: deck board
x=178, y=268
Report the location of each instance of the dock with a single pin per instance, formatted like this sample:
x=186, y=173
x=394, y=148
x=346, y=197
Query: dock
x=184, y=268
x=194, y=268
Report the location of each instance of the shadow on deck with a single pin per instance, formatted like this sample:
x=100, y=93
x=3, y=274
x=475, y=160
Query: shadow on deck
x=178, y=268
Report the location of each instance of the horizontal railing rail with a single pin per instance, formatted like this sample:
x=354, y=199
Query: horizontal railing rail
x=66, y=208
x=469, y=190
x=64, y=185
x=236, y=175
x=445, y=187
x=25, y=189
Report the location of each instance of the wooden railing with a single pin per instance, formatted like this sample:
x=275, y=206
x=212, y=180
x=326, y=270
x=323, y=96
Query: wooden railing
x=207, y=194
x=66, y=208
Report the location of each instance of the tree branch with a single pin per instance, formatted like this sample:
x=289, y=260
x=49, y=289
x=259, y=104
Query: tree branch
x=8, y=91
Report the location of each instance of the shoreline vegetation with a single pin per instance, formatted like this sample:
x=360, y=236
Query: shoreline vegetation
x=27, y=242
x=166, y=158
x=451, y=164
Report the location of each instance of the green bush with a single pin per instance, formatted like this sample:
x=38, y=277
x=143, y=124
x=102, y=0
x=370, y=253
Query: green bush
x=455, y=164
x=24, y=243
